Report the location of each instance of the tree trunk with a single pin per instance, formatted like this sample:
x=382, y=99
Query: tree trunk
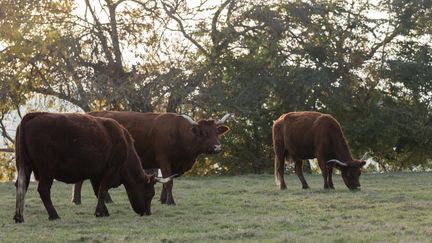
x=7, y=150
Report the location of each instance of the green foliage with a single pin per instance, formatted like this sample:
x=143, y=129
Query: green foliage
x=257, y=59
x=7, y=167
x=319, y=56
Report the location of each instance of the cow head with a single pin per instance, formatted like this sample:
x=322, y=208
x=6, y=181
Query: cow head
x=351, y=171
x=142, y=194
x=207, y=134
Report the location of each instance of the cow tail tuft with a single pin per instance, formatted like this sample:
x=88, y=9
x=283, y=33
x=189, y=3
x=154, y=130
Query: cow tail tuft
x=22, y=166
x=280, y=156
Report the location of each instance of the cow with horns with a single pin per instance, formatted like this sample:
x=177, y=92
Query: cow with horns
x=71, y=147
x=167, y=141
x=307, y=135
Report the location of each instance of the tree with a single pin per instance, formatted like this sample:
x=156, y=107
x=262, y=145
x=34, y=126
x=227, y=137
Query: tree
x=257, y=59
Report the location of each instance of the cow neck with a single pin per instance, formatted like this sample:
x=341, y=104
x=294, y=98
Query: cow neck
x=133, y=170
x=343, y=152
x=188, y=140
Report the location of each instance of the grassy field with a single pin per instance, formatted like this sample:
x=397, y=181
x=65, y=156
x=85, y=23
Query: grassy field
x=390, y=208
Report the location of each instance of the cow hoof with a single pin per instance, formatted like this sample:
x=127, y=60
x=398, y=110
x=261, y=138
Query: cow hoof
x=53, y=218
x=283, y=187
x=145, y=213
x=164, y=201
x=305, y=187
x=18, y=218
x=101, y=214
x=170, y=203
x=76, y=201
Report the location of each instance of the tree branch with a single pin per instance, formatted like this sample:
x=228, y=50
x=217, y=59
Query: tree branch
x=170, y=12
x=151, y=9
x=114, y=35
x=100, y=35
x=7, y=150
x=386, y=40
x=50, y=91
x=4, y=133
x=214, y=32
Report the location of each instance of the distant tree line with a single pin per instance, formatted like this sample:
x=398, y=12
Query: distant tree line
x=368, y=63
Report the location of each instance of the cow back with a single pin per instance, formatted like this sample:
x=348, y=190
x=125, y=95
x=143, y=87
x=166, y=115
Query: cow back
x=156, y=135
x=309, y=134
x=71, y=147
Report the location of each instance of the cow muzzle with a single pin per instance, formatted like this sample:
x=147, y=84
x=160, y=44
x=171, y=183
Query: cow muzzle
x=217, y=148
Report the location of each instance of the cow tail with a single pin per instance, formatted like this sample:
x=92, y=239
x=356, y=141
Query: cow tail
x=22, y=166
x=279, y=152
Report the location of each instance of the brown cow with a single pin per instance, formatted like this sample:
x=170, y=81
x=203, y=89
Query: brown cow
x=308, y=135
x=72, y=147
x=167, y=141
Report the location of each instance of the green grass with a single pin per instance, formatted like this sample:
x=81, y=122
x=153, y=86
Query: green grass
x=391, y=208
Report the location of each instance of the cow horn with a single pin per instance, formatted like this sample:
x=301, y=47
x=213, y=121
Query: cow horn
x=337, y=162
x=365, y=156
x=189, y=119
x=224, y=118
x=165, y=180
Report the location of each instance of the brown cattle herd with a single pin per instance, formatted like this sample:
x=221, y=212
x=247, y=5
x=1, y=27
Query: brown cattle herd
x=113, y=148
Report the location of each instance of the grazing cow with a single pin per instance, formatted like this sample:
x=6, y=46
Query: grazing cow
x=306, y=135
x=73, y=147
x=167, y=141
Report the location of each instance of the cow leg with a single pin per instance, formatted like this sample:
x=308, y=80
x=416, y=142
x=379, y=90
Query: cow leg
x=76, y=193
x=329, y=178
x=279, y=164
x=166, y=195
x=21, y=185
x=108, y=198
x=299, y=172
x=100, y=192
x=163, y=195
x=26, y=182
x=324, y=172
x=169, y=196
x=44, y=189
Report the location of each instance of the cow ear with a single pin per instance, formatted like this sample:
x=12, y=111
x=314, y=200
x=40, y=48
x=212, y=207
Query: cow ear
x=195, y=129
x=151, y=179
x=222, y=129
x=357, y=164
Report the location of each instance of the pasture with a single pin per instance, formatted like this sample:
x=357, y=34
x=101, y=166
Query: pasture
x=394, y=207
